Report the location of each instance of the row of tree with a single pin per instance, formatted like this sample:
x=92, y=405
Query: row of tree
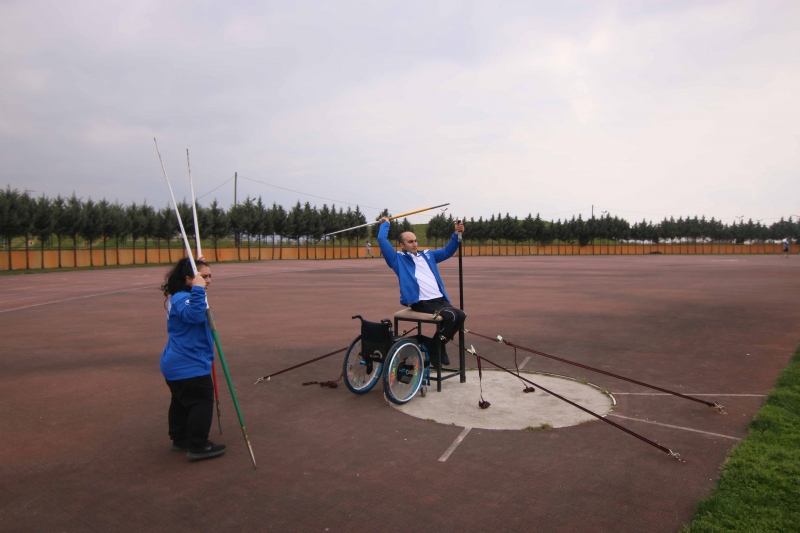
x=55, y=220
x=614, y=229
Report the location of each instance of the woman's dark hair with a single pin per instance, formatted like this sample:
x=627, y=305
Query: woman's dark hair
x=175, y=280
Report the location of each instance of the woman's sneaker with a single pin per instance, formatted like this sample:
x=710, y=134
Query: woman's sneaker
x=209, y=450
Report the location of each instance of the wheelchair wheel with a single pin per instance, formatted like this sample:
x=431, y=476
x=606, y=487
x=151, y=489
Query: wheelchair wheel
x=359, y=374
x=404, y=372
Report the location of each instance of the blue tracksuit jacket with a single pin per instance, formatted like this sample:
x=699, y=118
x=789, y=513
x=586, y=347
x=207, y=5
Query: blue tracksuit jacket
x=403, y=265
x=190, y=349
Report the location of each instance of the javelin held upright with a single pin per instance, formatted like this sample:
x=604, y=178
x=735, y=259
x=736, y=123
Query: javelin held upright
x=200, y=254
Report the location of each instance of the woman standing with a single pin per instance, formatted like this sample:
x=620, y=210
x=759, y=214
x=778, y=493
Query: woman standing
x=187, y=358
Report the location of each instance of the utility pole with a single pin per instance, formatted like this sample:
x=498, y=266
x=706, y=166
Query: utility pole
x=235, y=186
x=592, y=210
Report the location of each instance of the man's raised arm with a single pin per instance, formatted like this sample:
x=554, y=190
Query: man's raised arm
x=387, y=250
x=452, y=246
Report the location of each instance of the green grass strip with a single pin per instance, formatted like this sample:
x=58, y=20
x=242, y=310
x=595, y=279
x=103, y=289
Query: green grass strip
x=759, y=486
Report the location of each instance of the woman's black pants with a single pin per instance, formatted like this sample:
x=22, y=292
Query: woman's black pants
x=191, y=410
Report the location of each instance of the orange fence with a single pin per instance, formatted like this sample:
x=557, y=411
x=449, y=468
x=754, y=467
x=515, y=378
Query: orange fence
x=85, y=258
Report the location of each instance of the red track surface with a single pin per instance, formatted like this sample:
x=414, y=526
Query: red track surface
x=85, y=444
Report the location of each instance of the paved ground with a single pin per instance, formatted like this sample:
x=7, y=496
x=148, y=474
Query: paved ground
x=83, y=405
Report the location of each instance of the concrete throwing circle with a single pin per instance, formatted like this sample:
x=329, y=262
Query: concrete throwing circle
x=510, y=408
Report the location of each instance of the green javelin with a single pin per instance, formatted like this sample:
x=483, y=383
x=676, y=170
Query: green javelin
x=208, y=313
x=230, y=384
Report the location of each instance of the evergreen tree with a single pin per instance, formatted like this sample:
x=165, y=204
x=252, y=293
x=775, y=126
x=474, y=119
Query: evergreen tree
x=237, y=217
x=438, y=227
x=294, y=224
x=546, y=236
x=43, y=221
x=14, y=217
x=532, y=228
x=137, y=228
x=91, y=226
x=252, y=222
x=218, y=225
x=150, y=225
x=313, y=224
x=278, y=215
x=119, y=225
x=394, y=227
x=187, y=217
x=58, y=207
x=362, y=233
x=70, y=223
x=263, y=227
x=478, y=230
x=106, y=226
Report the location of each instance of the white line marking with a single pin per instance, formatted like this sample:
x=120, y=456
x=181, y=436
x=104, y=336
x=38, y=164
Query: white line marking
x=455, y=444
x=686, y=393
x=522, y=364
x=675, y=427
x=70, y=299
x=152, y=287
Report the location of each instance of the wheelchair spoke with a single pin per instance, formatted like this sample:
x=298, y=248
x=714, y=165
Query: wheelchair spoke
x=404, y=372
x=360, y=375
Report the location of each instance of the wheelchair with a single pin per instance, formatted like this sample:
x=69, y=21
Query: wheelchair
x=378, y=352
x=404, y=362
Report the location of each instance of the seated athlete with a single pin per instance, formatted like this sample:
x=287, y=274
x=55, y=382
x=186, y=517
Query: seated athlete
x=421, y=287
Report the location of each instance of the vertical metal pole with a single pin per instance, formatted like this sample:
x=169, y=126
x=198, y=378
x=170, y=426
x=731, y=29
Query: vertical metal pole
x=235, y=186
x=439, y=347
x=461, y=355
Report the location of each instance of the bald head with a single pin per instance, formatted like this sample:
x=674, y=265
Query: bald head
x=408, y=242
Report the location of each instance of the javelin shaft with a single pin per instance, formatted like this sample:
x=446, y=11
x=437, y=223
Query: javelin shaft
x=194, y=207
x=199, y=254
x=390, y=218
x=177, y=214
x=224, y=364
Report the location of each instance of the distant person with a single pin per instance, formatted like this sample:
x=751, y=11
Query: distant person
x=786, y=247
x=187, y=358
x=421, y=287
x=369, y=249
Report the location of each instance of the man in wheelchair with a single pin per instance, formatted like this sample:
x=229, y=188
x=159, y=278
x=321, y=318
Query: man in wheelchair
x=421, y=287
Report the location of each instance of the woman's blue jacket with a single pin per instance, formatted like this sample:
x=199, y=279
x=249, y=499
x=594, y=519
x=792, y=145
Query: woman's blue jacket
x=190, y=350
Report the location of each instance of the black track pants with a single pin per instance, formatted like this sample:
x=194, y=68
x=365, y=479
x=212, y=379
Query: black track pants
x=191, y=410
x=452, y=317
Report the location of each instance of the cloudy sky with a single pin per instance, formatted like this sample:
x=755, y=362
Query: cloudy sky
x=643, y=109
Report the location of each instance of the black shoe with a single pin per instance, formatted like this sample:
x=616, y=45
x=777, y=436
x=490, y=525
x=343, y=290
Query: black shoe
x=205, y=452
x=180, y=446
x=445, y=359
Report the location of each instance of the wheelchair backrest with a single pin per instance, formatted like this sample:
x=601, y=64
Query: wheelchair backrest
x=376, y=337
